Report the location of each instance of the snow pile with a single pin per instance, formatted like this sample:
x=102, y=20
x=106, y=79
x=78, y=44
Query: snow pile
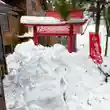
x=36, y=78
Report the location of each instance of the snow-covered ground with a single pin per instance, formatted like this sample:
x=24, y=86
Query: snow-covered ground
x=39, y=76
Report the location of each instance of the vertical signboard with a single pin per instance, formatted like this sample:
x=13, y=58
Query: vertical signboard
x=95, y=48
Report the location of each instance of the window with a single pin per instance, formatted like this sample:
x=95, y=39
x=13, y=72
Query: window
x=4, y=22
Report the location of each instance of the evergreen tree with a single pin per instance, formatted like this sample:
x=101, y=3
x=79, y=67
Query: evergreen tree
x=63, y=8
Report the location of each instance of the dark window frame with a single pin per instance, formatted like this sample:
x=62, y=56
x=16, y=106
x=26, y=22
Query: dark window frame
x=4, y=22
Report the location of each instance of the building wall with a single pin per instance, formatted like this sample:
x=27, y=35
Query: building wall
x=10, y=37
x=15, y=28
x=18, y=29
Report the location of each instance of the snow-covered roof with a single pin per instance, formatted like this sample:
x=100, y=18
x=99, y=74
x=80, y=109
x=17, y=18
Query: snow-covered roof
x=38, y=20
x=4, y=7
x=1, y=2
x=47, y=20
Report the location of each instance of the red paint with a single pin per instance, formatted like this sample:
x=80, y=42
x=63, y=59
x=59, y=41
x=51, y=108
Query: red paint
x=35, y=35
x=70, y=39
x=95, y=51
x=73, y=14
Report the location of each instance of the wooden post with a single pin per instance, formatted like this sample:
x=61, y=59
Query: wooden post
x=29, y=11
x=29, y=7
x=2, y=53
x=34, y=8
x=3, y=71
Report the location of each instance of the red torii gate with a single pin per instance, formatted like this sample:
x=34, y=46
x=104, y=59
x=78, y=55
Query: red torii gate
x=69, y=29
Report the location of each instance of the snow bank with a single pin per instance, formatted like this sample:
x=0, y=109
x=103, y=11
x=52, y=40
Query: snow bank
x=35, y=77
x=38, y=77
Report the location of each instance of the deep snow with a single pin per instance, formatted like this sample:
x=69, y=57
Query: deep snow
x=38, y=77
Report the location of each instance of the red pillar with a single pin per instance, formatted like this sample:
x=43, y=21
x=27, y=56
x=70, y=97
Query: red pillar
x=90, y=44
x=74, y=43
x=70, y=40
x=35, y=35
x=70, y=44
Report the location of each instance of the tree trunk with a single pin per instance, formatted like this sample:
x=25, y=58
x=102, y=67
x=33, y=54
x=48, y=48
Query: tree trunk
x=105, y=14
x=107, y=30
x=106, y=46
x=98, y=17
